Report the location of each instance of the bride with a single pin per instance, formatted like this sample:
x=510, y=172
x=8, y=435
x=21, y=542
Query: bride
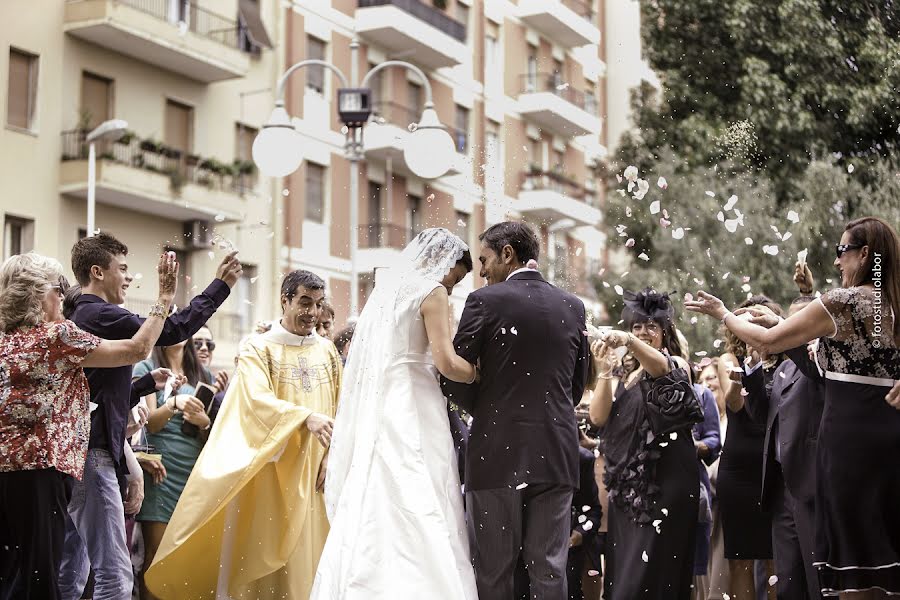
x=392, y=488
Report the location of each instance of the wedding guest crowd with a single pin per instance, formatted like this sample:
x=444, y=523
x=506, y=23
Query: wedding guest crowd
x=768, y=471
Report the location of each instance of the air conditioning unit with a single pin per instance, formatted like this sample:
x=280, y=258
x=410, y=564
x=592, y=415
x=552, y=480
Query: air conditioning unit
x=197, y=235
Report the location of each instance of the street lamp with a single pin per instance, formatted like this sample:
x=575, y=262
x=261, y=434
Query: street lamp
x=108, y=130
x=428, y=150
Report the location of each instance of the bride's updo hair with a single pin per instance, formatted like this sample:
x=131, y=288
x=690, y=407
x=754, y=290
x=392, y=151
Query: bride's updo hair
x=466, y=261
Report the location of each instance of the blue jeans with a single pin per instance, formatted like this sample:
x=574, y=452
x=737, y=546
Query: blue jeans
x=95, y=535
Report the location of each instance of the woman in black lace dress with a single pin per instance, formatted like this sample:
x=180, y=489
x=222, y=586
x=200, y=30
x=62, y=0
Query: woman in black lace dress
x=858, y=470
x=652, y=477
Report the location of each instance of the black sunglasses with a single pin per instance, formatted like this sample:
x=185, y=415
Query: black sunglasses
x=841, y=248
x=208, y=343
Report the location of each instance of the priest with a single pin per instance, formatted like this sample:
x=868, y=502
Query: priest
x=251, y=522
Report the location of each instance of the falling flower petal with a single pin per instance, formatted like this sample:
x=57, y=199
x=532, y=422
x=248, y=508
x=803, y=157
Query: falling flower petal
x=732, y=200
x=793, y=217
x=661, y=183
x=748, y=241
x=593, y=572
x=629, y=242
x=654, y=207
x=665, y=213
x=644, y=556
x=771, y=250
x=850, y=168
x=710, y=194
x=643, y=256
x=618, y=177
x=701, y=353
x=721, y=216
x=745, y=287
x=578, y=252
x=430, y=197
x=619, y=290
x=285, y=192
x=731, y=225
x=211, y=255
x=717, y=343
x=678, y=233
x=786, y=236
x=631, y=173
x=688, y=297
x=220, y=217
x=253, y=279
x=704, y=362
x=774, y=578
x=725, y=276
x=514, y=331
x=627, y=211
x=694, y=320
x=643, y=186
x=664, y=222
x=138, y=276
x=521, y=486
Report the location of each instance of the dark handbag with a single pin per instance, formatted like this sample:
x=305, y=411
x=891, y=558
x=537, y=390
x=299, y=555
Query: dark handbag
x=671, y=402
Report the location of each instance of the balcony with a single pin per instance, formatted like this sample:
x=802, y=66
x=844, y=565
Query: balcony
x=147, y=177
x=557, y=107
x=386, y=134
x=176, y=35
x=570, y=23
x=414, y=31
x=380, y=245
x=551, y=197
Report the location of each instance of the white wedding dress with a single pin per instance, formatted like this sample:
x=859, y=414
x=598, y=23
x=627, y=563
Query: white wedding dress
x=392, y=488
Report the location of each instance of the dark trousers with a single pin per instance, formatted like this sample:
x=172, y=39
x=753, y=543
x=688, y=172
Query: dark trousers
x=535, y=522
x=32, y=528
x=793, y=540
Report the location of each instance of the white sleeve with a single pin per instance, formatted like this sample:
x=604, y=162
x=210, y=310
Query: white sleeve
x=134, y=469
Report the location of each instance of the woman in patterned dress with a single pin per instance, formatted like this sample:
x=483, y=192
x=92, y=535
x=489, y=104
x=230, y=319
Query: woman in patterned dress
x=44, y=414
x=858, y=470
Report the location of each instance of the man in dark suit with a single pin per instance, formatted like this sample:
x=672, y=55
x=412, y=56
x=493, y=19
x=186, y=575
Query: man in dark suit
x=530, y=341
x=791, y=405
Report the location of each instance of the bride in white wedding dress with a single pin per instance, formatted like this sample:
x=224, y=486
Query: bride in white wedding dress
x=392, y=488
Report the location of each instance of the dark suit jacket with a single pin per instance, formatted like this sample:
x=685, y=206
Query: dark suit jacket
x=796, y=401
x=529, y=338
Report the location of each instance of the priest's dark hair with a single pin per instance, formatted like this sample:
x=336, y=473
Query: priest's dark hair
x=300, y=278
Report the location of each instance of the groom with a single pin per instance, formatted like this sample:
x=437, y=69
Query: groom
x=522, y=460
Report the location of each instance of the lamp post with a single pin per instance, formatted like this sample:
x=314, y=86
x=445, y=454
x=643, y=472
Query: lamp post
x=107, y=130
x=428, y=150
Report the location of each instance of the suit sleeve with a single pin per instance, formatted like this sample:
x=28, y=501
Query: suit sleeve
x=582, y=362
x=118, y=323
x=468, y=343
x=757, y=399
x=808, y=367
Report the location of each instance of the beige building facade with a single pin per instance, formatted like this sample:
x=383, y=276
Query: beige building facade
x=524, y=87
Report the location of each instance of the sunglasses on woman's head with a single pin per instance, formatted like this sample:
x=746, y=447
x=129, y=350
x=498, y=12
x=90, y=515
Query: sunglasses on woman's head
x=211, y=345
x=841, y=248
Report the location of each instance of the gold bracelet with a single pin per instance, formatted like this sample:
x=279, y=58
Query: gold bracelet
x=158, y=310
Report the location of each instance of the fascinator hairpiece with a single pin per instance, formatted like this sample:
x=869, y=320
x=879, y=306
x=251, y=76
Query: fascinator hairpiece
x=647, y=305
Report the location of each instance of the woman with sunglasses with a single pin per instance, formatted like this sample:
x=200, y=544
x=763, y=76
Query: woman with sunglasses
x=45, y=414
x=858, y=481
x=165, y=432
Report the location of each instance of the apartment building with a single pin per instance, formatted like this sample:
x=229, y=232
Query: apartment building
x=193, y=79
x=522, y=87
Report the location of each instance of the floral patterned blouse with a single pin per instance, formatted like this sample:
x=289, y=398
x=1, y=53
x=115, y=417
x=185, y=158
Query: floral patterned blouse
x=863, y=341
x=44, y=398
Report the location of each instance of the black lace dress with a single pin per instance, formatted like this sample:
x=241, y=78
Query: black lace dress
x=858, y=476
x=654, y=489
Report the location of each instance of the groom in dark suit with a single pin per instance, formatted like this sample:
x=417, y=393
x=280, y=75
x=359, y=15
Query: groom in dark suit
x=529, y=340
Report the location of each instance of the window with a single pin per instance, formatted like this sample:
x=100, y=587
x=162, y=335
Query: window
x=414, y=215
x=462, y=15
x=413, y=100
x=492, y=70
x=96, y=99
x=462, y=129
x=462, y=225
x=557, y=78
x=376, y=85
x=375, y=226
x=493, y=172
x=21, y=98
x=590, y=97
x=179, y=125
x=243, y=141
x=536, y=154
x=531, y=82
x=315, y=192
x=315, y=75
x=18, y=236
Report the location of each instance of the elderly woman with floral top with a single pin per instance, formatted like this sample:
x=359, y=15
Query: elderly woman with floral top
x=44, y=413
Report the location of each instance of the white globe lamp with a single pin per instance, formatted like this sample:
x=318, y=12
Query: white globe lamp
x=277, y=149
x=429, y=150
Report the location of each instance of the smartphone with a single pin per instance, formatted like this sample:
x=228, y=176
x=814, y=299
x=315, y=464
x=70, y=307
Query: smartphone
x=205, y=394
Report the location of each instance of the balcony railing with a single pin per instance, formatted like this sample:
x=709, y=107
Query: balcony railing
x=238, y=177
x=552, y=82
x=394, y=113
x=429, y=14
x=384, y=235
x=538, y=179
x=196, y=18
x=580, y=8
